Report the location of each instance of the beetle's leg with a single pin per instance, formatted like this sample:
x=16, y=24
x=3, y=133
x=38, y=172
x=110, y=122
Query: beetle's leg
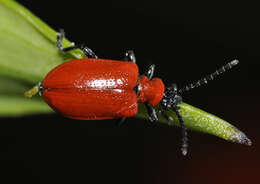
x=87, y=51
x=151, y=112
x=184, y=148
x=121, y=121
x=168, y=118
x=60, y=37
x=130, y=56
x=150, y=71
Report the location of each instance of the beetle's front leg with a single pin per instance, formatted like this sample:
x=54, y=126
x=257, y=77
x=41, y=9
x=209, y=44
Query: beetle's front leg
x=184, y=148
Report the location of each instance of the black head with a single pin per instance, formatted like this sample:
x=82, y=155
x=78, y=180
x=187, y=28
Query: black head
x=171, y=98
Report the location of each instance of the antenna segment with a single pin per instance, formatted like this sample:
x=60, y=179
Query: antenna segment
x=210, y=77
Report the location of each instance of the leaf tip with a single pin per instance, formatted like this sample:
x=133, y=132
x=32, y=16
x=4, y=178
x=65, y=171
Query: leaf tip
x=241, y=138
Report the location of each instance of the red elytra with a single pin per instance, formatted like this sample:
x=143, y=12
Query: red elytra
x=95, y=89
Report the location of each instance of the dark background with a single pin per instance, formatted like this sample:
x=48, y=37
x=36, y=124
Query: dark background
x=186, y=40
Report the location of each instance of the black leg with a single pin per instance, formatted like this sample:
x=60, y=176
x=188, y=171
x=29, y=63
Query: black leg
x=151, y=112
x=184, y=148
x=121, y=121
x=130, y=56
x=150, y=71
x=60, y=37
x=87, y=51
x=168, y=118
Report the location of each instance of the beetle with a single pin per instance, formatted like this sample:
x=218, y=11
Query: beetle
x=97, y=89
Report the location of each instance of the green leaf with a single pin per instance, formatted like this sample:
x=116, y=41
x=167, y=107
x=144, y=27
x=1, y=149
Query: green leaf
x=15, y=106
x=28, y=52
x=28, y=46
x=199, y=120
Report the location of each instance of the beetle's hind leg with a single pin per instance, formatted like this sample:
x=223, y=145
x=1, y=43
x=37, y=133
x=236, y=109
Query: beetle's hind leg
x=60, y=37
x=129, y=56
x=87, y=51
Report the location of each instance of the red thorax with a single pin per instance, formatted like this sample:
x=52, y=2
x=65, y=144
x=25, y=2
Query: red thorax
x=150, y=91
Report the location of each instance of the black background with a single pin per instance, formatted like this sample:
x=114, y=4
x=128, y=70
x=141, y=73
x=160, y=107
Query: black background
x=186, y=40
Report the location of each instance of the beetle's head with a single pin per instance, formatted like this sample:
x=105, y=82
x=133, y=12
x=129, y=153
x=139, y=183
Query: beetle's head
x=171, y=98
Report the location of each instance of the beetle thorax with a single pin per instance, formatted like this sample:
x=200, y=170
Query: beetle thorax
x=150, y=91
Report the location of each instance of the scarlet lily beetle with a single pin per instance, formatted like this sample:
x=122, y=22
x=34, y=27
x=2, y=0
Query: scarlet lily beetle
x=96, y=89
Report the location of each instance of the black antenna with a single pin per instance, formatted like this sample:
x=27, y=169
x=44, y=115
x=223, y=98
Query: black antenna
x=205, y=80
